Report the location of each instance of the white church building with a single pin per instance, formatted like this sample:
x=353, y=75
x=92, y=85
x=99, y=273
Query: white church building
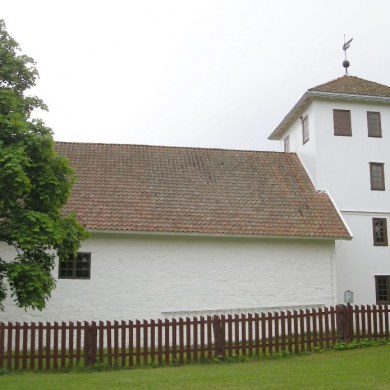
x=194, y=231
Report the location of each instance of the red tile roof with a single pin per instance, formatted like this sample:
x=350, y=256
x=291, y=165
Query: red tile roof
x=352, y=85
x=210, y=191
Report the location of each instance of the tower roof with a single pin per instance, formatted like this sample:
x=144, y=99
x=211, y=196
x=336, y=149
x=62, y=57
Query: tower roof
x=352, y=85
x=347, y=87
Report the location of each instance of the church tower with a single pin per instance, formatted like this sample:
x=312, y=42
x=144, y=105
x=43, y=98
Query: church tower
x=341, y=132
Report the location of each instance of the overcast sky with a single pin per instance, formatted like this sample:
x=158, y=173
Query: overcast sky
x=204, y=73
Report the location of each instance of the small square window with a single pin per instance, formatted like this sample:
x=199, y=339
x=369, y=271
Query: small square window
x=377, y=176
x=287, y=144
x=379, y=228
x=374, y=124
x=342, y=122
x=382, y=289
x=305, y=129
x=75, y=268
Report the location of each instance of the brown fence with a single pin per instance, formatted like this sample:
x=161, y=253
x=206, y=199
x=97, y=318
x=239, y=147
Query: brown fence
x=133, y=344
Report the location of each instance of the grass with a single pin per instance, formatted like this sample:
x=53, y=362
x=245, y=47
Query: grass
x=350, y=369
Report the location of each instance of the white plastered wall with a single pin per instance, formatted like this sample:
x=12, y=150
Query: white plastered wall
x=359, y=260
x=142, y=276
x=343, y=162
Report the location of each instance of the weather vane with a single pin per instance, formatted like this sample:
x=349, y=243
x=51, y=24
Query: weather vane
x=345, y=48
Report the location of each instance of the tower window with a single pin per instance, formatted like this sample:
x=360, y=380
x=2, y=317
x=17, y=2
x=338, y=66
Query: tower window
x=305, y=129
x=379, y=228
x=342, y=122
x=374, y=124
x=382, y=288
x=287, y=144
x=377, y=176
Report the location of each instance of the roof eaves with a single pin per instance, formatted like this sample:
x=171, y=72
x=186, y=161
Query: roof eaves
x=348, y=96
x=215, y=235
x=291, y=116
x=340, y=214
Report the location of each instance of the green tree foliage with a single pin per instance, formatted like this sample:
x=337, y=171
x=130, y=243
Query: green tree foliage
x=35, y=182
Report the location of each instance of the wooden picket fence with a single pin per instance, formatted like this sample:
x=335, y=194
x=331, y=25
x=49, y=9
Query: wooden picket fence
x=163, y=342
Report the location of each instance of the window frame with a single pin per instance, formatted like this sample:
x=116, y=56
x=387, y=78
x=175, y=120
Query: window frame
x=373, y=176
x=74, y=267
x=287, y=144
x=305, y=130
x=384, y=227
x=337, y=116
x=375, y=130
x=386, y=280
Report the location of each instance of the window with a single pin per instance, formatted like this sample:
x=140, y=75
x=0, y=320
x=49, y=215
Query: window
x=374, y=124
x=377, y=176
x=382, y=288
x=287, y=144
x=305, y=129
x=342, y=122
x=379, y=228
x=76, y=268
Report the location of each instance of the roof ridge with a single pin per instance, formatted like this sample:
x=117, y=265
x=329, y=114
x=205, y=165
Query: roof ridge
x=164, y=147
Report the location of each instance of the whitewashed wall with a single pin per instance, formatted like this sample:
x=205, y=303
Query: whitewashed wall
x=358, y=261
x=306, y=151
x=343, y=162
x=142, y=276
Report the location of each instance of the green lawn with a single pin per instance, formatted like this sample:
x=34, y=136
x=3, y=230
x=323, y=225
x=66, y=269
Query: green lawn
x=353, y=369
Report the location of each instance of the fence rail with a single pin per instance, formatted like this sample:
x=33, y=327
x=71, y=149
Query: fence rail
x=178, y=341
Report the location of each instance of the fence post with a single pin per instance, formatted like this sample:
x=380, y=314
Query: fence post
x=340, y=322
x=351, y=334
x=344, y=321
x=90, y=339
x=219, y=336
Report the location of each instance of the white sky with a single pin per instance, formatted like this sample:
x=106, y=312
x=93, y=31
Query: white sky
x=207, y=73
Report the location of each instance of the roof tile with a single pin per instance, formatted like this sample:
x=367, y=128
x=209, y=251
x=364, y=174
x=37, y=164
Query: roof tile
x=352, y=85
x=194, y=190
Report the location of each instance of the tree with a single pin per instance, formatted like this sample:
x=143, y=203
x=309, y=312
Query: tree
x=35, y=183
